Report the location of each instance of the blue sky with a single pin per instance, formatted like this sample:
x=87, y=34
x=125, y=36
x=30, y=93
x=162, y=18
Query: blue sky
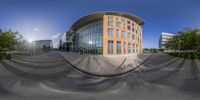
x=48, y=19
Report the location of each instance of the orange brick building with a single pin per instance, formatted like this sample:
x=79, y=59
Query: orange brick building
x=107, y=33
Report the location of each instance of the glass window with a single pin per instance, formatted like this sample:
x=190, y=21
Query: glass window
x=129, y=48
x=118, y=24
x=132, y=24
x=133, y=48
x=117, y=33
x=123, y=20
x=110, y=32
x=90, y=36
x=124, y=25
x=110, y=17
x=110, y=23
x=123, y=34
x=129, y=36
x=124, y=47
x=133, y=37
x=128, y=22
x=119, y=46
x=117, y=18
x=133, y=30
x=110, y=47
x=129, y=28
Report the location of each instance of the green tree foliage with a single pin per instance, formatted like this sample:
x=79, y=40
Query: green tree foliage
x=188, y=39
x=9, y=40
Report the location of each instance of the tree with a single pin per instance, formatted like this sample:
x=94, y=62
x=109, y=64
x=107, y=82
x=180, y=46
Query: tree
x=8, y=40
x=187, y=39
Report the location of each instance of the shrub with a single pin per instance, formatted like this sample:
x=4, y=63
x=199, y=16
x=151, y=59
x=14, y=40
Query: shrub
x=2, y=56
x=188, y=55
x=196, y=56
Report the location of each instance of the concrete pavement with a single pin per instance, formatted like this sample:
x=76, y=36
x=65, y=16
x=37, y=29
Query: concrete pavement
x=104, y=65
x=162, y=77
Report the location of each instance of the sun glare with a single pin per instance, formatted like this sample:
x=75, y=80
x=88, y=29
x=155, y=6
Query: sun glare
x=30, y=40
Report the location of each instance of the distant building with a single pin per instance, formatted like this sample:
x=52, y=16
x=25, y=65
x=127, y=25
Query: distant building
x=44, y=43
x=164, y=37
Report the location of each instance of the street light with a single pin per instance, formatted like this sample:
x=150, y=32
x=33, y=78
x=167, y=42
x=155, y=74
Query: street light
x=34, y=48
x=28, y=50
x=179, y=45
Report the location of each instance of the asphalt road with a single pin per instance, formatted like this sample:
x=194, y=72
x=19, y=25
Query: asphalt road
x=49, y=77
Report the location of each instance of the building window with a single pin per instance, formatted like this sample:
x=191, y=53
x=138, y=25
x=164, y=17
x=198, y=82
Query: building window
x=117, y=33
x=110, y=17
x=110, y=32
x=133, y=30
x=110, y=47
x=129, y=48
x=123, y=34
x=119, y=47
x=124, y=25
x=123, y=20
x=133, y=48
x=128, y=22
x=118, y=24
x=117, y=18
x=90, y=36
x=129, y=28
x=129, y=36
x=133, y=37
x=110, y=23
x=133, y=24
x=124, y=47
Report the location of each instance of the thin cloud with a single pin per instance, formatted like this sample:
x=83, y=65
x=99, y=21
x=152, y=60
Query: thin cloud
x=36, y=29
x=55, y=36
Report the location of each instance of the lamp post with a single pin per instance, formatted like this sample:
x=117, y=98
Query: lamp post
x=179, y=45
x=29, y=44
x=34, y=48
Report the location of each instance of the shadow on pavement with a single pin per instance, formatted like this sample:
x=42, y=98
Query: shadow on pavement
x=191, y=82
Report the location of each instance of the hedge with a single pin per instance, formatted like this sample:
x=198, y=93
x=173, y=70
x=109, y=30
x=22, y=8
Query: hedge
x=187, y=55
x=3, y=56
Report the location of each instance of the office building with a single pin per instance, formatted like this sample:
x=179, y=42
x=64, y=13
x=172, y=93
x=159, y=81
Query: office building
x=164, y=37
x=106, y=33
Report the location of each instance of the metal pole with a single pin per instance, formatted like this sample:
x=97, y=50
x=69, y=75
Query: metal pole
x=28, y=51
x=34, y=48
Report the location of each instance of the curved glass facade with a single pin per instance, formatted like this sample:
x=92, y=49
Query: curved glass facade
x=107, y=34
x=90, y=37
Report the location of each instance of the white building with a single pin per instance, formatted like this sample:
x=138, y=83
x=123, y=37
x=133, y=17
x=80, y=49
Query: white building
x=164, y=37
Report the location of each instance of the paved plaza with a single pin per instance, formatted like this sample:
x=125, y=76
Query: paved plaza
x=49, y=77
x=104, y=65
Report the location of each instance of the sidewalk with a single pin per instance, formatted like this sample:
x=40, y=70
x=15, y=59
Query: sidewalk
x=98, y=64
